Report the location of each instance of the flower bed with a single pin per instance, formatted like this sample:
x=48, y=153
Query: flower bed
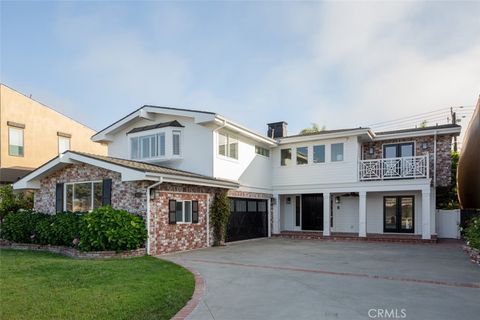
x=473, y=253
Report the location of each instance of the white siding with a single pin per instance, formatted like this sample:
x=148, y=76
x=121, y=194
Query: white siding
x=345, y=214
x=317, y=173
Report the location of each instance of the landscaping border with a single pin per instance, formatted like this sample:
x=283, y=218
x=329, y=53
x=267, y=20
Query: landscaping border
x=197, y=294
x=473, y=253
x=72, y=252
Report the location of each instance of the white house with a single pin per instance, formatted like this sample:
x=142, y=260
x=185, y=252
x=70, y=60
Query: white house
x=166, y=164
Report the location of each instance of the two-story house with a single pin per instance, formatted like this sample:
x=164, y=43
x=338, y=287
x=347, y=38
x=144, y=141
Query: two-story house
x=31, y=134
x=166, y=164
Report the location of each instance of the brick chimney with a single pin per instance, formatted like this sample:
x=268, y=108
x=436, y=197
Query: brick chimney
x=277, y=129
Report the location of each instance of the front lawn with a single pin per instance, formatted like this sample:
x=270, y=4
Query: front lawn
x=37, y=285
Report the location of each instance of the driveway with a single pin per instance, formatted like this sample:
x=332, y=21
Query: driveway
x=301, y=279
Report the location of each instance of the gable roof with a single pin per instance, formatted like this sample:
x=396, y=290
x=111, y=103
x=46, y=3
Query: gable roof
x=173, y=123
x=130, y=171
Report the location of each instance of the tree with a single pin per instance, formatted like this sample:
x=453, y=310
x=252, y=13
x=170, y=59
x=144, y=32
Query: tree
x=423, y=124
x=220, y=213
x=313, y=129
x=11, y=201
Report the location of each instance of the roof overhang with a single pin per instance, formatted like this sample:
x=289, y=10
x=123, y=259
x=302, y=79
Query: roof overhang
x=32, y=180
x=363, y=134
x=223, y=122
x=410, y=134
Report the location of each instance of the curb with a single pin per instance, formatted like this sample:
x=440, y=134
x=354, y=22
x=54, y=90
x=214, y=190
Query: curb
x=197, y=295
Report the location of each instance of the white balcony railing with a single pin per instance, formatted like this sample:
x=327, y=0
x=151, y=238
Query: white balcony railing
x=394, y=168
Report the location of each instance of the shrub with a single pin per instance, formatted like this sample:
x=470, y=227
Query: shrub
x=220, y=213
x=60, y=229
x=13, y=201
x=20, y=226
x=472, y=233
x=106, y=228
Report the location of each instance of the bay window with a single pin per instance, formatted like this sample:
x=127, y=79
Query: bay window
x=146, y=147
x=176, y=142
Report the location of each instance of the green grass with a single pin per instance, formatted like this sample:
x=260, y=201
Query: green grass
x=38, y=285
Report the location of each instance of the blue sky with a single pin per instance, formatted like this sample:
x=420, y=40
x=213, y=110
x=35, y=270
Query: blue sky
x=340, y=64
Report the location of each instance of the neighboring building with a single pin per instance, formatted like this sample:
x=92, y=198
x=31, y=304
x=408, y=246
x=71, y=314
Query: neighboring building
x=166, y=164
x=32, y=134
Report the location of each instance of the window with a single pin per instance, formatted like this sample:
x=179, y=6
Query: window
x=145, y=147
x=83, y=196
x=318, y=154
x=398, y=150
x=337, y=152
x=302, y=155
x=227, y=145
x=262, y=151
x=183, y=211
x=63, y=144
x=176, y=142
x=285, y=157
x=15, y=141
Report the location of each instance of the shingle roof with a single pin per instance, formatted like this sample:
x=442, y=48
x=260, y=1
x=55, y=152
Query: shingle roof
x=443, y=126
x=324, y=132
x=147, y=167
x=173, y=123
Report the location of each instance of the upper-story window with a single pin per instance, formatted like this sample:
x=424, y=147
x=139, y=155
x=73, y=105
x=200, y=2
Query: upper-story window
x=227, y=145
x=319, y=154
x=150, y=146
x=176, y=134
x=15, y=141
x=337, y=152
x=302, y=155
x=63, y=142
x=285, y=157
x=397, y=150
x=262, y=151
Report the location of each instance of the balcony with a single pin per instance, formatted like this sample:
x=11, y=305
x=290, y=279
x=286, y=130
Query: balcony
x=394, y=168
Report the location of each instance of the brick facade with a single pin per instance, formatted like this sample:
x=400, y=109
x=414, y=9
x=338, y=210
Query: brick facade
x=444, y=147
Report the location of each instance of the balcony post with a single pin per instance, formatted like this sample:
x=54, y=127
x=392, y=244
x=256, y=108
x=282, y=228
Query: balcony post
x=362, y=214
x=326, y=214
x=426, y=233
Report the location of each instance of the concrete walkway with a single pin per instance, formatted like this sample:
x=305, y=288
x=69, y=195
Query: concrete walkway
x=302, y=279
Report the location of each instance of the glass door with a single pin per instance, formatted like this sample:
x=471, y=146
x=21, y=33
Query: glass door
x=399, y=214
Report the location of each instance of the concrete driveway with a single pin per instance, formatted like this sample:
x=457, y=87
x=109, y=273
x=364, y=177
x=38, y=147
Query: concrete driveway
x=301, y=279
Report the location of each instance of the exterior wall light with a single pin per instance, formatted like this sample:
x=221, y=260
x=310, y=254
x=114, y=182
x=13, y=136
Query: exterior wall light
x=370, y=150
x=424, y=145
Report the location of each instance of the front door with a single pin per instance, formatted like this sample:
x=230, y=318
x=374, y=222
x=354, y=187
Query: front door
x=398, y=214
x=312, y=212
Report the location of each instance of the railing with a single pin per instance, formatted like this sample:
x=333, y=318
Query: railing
x=394, y=168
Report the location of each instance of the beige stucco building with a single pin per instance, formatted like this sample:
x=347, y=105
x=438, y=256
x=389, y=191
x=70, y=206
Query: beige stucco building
x=31, y=134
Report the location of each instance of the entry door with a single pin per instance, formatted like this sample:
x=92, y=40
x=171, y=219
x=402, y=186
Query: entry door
x=312, y=212
x=398, y=214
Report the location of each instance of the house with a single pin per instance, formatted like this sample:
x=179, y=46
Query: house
x=166, y=164
x=32, y=133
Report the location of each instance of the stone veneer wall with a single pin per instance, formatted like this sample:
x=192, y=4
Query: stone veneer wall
x=444, y=147
x=130, y=196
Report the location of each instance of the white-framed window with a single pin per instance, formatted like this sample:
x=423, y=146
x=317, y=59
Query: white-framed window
x=227, y=145
x=148, y=146
x=15, y=142
x=183, y=213
x=319, y=154
x=176, y=138
x=302, y=155
x=82, y=196
x=63, y=144
x=262, y=151
x=336, y=152
x=285, y=157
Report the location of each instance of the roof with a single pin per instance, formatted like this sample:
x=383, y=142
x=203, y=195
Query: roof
x=443, y=126
x=325, y=132
x=173, y=123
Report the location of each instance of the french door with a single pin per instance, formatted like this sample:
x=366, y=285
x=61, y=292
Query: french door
x=398, y=214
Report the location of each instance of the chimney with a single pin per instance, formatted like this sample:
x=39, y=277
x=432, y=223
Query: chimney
x=277, y=129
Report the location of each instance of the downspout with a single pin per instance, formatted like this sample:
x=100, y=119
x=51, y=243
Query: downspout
x=160, y=181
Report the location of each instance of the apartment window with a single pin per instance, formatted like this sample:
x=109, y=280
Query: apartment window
x=262, y=151
x=227, y=145
x=285, y=157
x=83, y=196
x=176, y=142
x=337, y=152
x=146, y=147
x=318, y=154
x=15, y=141
x=63, y=144
x=302, y=155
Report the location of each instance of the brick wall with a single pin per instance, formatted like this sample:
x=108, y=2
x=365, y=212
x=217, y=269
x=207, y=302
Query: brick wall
x=444, y=147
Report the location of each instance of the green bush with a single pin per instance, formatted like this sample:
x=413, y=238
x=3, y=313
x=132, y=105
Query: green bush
x=106, y=228
x=220, y=213
x=472, y=233
x=60, y=229
x=13, y=201
x=20, y=226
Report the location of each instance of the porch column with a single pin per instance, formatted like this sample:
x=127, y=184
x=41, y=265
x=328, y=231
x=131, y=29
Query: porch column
x=326, y=214
x=362, y=214
x=426, y=233
x=276, y=214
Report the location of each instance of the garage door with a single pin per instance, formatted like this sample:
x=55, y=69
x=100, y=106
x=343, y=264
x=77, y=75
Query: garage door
x=248, y=219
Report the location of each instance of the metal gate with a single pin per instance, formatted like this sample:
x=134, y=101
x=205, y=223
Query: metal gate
x=248, y=219
x=448, y=224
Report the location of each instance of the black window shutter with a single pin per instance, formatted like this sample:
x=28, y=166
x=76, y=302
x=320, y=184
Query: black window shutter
x=107, y=192
x=59, y=197
x=172, y=210
x=194, y=211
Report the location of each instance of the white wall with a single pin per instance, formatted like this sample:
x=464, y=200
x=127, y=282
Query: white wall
x=345, y=214
x=196, y=144
x=317, y=173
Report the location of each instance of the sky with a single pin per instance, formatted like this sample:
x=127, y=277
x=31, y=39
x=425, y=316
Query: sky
x=338, y=64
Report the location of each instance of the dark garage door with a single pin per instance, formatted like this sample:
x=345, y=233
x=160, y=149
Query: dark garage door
x=248, y=219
